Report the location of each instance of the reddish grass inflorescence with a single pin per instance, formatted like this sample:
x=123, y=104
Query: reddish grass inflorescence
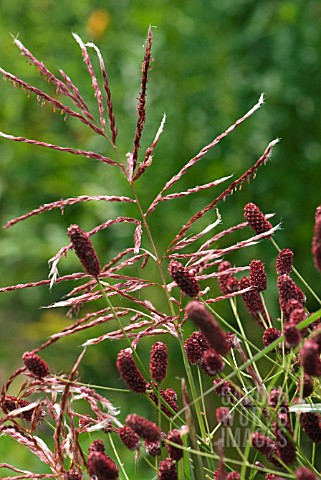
x=256, y=218
x=185, y=280
x=36, y=365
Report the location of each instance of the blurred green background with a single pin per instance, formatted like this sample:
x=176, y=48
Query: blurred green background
x=212, y=61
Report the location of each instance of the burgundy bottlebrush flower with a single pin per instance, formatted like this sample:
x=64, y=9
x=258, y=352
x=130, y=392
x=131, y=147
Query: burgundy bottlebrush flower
x=258, y=275
x=213, y=333
x=288, y=290
x=317, y=337
x=303, y=473
x=129, y=371
x=101, y=465
x=193, y=350
x=184, y=279
x=284, y=262
x=316, y=241
x=311, y=425
x=291, y=305
x=291, y=334
x=253, y=301
x=232, y=285
x=174, y=452
x=224, y=277
x=167, y=470
x=129, y=437
x=213, y=362
x=231, y=338
x=310, y=358
x=283, y=434
x=270, y=335
x=256, y=218
x=97, y=446
x=308, y=385
x=143, y=427
x=153, y=448
x=84, y=250
x=72, y=475
x=233, y=476
x=223, y=416
x=265, y=445
x=158, y=362
x=35, y=364
x=170, y=397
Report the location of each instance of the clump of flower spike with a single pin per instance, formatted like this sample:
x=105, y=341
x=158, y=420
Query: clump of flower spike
x=97, y=446
x=153, y=448
x=167, y=470
x=170, y=397
x=291, y=334
x=35, y=364
x=304, y=473
x=310, y=358
x=144, y=428
x=185, y=280
x=175, y=453
x=84, y=250
x=102, y=466
x=212, y=362
x=194, y=349
x=158, y=361
x=284, y=262
x=311, y=425
x=253, y=301
x=265, y=445
x=129, y=437
x=256, y=219
x=209, y=327
x=270, y=335
x=316, y=241
x=307, y=385
x=258, y=275
x=223, y=278
x=289, y=290
x=129, y=371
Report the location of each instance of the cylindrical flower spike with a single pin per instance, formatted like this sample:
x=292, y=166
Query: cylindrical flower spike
x=102, y=466
x=144, y=428
x=153, y=448
x=307, y=387
x=265, y=446
x=284, y=445
x=170, y=397
x=311, y=425
x=270, y=335
x=253, y=301
x=258, y=275
x=213, y=333
x=184, y=279
x=291, y=334
x=158, y=362
x=256, y=218
x=310, y=358
x=223, y=416
x=174, y=452
x=303, y=473
x=284, y=262
x=97, y=446
x=167, y=470
x=224, y=277
x=129, y=371
x=84, y=250
x=213, y=362
x=316, y=242
x=129, y=437
x=193, y=350
x=288, y=290
x=35, y=364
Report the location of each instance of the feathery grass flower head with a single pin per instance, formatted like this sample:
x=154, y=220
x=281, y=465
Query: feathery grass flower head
x=256, y=219
x=209, y=327
x=258, y=275
x=174, y=452
x=184, y=279
x=303, y=473
x=167, y=470
x=84, y=250
x=129, y=437
x=284, y=262
x=316, y=241
x=35, y=364
x=144, y=428
x=310, y=358
x=102, y=466
x=129, y=371
x=223, y=416
x=158, y=361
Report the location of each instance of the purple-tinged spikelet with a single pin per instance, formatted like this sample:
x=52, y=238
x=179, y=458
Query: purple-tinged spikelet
x=307, y=387
x=213, y=333
x=316, y=241
x=158, y=361
x=224, y=277
x=84, y=250
x=310, y=358
x=284, y=262
x=143, y=427
x=291, y=334
x=193, y=350
x=223, y=416
x=167, y=470
x=102, y=466
x=270, y=335
x=153, y=448
x=256, y=219
x=174, y=452
x=283, y=432
x=233, y=476
x=288, y=290
x=97, y=446
x=253, y=301
x=129, y=437
x=311, y=425
x=213, y=362
x=303, y=473
x=258, y=275
x=184, y=279
x=129, y=371
x=35, y=364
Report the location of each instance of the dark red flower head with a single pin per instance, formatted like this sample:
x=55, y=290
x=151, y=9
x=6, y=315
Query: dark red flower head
x=223, y=416
x=256, y=219
x=253, y=301
x=144, y=428
x=158, y=362
x=102, y=466
x=153, y=448
x=129, y=437
x=129, y=371
x=258, y=275
x=97, y=446
x=35, y=364
x=167, y=470
x=310, y=358
x=213, y=362
x=174, y=452
x=184, y=279
x=284, y=262
x=291, y=334
x=223, y=278
x=303, y=473
x=270, y=335
x=84, y=250
x=316, y=241
x=308, y=385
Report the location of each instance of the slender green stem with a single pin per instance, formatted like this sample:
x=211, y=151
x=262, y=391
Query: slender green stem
x=120, y=463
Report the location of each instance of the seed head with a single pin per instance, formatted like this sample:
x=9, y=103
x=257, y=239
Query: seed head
x=144, y=428
x=213, y=333
x=158, y=362
x=167, y=470
x=223, y=416
x=311, y=425
x=284, y=262
x=213, y=362
x=316, y=241
x=184, y=279
x=129, y=371
x=224, y=277
x=174, y=452
x=303, y=473
x=310, y=358
x=84, y=250
x=101, y=465
x=258, y=275
x=256, y=219
x=35, y=364
x=129, y=437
